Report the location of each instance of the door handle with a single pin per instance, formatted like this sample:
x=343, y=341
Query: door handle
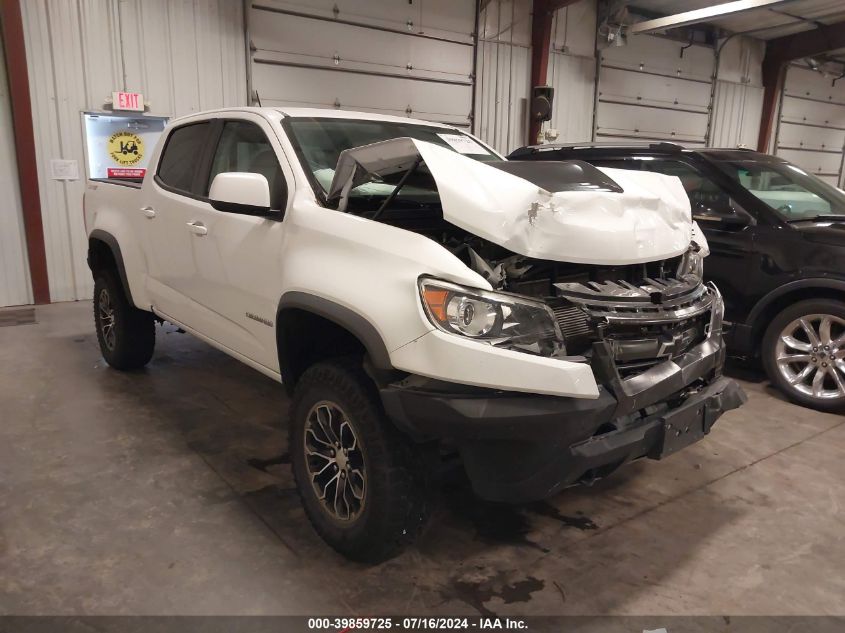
x=148, y=212
x=197, y=228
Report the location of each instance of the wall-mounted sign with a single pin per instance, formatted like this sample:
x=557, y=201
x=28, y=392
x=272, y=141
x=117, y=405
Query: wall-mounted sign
x=61, y=169
x=125, y=148
x=116, y=145
x=133, y=101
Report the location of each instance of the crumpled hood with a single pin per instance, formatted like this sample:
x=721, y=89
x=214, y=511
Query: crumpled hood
x=648, y=220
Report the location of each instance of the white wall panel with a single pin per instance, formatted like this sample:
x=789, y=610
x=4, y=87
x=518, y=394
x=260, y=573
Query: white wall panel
x=184, y=55
x=737, y=110
x=503, y=74
x=811, y=128
x=15, y=288
x=573, y=78
x=738, y=95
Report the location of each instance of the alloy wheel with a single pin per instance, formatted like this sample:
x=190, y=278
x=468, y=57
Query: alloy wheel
x=107, y=318
x=335, y=461
x=810, y=355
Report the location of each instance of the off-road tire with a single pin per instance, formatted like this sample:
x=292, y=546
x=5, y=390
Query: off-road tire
x=130, y=341
x=769, y=353
x=397, y=498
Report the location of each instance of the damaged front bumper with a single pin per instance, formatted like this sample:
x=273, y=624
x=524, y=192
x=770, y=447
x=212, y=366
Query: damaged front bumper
x=524, y=447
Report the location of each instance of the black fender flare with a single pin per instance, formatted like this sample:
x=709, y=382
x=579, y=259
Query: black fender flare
x=799, y=284
x=109, y=240
x=340, y=315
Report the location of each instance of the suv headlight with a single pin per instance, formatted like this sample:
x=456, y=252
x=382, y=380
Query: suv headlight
x=692, y=263
x=492, y=317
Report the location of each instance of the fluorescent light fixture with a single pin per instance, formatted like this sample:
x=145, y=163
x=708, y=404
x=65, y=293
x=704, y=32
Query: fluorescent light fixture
x=701, y=15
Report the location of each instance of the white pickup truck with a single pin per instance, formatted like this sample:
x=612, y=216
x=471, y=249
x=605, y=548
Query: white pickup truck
x=417, y=294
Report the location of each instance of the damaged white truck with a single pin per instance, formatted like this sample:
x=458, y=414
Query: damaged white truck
x=418, y=296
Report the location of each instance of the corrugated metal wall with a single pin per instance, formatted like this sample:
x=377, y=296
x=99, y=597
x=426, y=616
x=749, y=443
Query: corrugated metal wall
x=572, y=71
x=738, y=98
x=504, y=72
x=183, y=55
x=15, y=288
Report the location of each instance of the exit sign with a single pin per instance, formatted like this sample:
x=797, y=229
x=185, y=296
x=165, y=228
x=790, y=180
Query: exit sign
x=133, y=101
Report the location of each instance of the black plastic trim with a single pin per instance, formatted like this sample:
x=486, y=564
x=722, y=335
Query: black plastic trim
x=798, y=284
x=359, y=326
x=109, y=240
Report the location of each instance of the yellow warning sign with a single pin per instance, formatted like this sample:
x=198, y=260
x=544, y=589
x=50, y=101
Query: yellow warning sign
x=126, y=148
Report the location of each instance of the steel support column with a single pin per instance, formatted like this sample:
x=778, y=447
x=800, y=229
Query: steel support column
x=16, y=69
x=541, y=40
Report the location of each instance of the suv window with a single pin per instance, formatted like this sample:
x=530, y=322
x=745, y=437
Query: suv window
x=243, y=146
x=792, y=192
x=181, y=153
x=704, y=195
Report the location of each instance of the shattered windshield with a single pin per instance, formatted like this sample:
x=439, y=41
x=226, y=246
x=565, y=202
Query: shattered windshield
x=792, y=192
x=319, y=142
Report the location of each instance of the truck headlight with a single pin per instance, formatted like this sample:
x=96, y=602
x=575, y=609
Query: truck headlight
x=692, y=263
x=492, y=317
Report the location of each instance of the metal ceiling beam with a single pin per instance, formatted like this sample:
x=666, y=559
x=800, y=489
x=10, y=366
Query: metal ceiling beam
x=701, y=15
x=779, y=52
x=541, y=40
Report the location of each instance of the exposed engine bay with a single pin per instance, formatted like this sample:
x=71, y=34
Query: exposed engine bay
x=573, y=257
x=648, y=312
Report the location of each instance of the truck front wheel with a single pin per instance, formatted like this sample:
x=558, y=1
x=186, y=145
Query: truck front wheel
x=363, y=484
x=125, y=333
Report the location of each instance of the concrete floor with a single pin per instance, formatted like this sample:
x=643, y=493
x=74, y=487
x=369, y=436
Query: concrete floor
x=166, y=492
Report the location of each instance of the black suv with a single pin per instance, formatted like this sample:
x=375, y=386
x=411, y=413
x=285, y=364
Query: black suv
x=777, y=253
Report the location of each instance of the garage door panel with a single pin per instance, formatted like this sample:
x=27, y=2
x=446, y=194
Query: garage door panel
x=636, y=87
x=308, y=87
x=305, y=40
x=649, y=122
x=819, y=163
x=663, y=56
x=811, y=129
x=434, y=18
x=806, y=111
x=803, y=82
x=807, y=137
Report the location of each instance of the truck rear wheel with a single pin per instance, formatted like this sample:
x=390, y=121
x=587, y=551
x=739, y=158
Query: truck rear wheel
x=125, y=333
x=363, y=484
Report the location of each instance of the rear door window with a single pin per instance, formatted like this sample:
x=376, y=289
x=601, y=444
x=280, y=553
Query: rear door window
x=181, y=157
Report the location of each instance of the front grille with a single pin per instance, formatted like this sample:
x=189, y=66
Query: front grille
x=644, y=325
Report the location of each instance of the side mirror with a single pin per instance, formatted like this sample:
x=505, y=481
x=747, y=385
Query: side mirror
x=727, y=216
x=726, y=220
x=240, y=192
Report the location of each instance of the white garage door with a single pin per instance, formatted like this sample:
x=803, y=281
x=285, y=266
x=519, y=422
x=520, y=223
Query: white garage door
x=811, y=130
x=409, y=58
x=654, y=89
x=14, y=269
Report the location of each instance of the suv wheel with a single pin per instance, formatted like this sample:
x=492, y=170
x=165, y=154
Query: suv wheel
x=362, y=483
x=125, y=333
x=804, y=353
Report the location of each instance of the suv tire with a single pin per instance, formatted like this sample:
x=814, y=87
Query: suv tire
x=811, y=332
x=363, y=484
x=125, y=333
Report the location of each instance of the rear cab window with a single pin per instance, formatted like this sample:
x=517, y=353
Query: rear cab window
x=180, y=158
